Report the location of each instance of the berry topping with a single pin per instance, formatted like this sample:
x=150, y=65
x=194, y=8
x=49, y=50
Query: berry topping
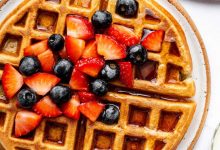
x=74, y=48
x=137, y=54
x=79, y=81
x=86, y=97
x=63, y=69
x=101, y=19
x=110, y=48
x=126, y=73
x=153, y=42
x=110, y=114
x=41, y=83
x=110, y=71
x=123, y=35
x=70, y=108
x=79, y=27
x=12, y=81
x=25, y=122
x=99, y=87
x=56, y=42
x=36, y=49
x=91, y=110
x=47, y=60
x=127, y=8
x=29, y=65
x=60, y=94
x=47, y=108
x=90, y=66
x=26, y=98
x=90, y=50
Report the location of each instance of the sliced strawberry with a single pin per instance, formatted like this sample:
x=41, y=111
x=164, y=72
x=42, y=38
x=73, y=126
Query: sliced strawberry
x=79, y=81
x=79, y=27
x=12, y=81
x=70, y=109
x=110, y=48
x=91, y=110
x=36, y=49
x=87, y=97
x=123, y=35
x=25, y=122
x=126, y=73
x=47, y=61
x=153, y=42
x=90, y=50
x=74, y=48
x=90, y=66
x=41, y=83
x=47, y=108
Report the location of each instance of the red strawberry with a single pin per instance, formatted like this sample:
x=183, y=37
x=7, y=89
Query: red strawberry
x=123, y=35
x=12, y=81
x=74, y=48
x=25, y=122
x=91, y=110
x=36, y=49
x=79, y=81
x=90, y=66
x=79, y=27
x=109, y=48
x=86, y=97
x=153, y=42
x=47, y=61
x=90, y=50
x=70, y=109
x=47, y=108
x=126, y=73
x=41, y=83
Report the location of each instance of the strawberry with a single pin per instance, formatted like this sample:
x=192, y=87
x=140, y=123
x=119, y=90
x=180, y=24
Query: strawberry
x=63, y=53
x=36, y=49
x=70, y=109
x=47, y=108
x=47, y=61
x=74, y=48
x=90, y=66
x=12, y=81
x=79, y=81
x=110, y=48
x=86, y=97
x=153, y=42
x=90, y=50
x=41, y=83
x=25, y=122
x=91, y=110
x=126, y=73
x=123, y=35
x=79, y=27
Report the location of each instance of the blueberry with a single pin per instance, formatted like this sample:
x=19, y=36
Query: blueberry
x=56, y=42
x=110, y=114
x=26, y=98
x=99, y=87
x=29, y=65
x=63, y=69
x=110, y=71
x=137, y=54
x=60, y=94
x=127, y=8
x=101, y=19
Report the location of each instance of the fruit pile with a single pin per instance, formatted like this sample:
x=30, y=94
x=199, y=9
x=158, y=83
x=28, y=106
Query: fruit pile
x=68, y=76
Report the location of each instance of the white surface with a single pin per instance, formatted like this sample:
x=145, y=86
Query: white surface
x=206, y=16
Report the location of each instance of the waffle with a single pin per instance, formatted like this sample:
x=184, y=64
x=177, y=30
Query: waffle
x=145, y=122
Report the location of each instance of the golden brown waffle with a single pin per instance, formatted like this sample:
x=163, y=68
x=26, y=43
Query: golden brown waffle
x=145, y=123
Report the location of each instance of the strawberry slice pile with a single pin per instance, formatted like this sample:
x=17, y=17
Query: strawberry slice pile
x=88, y=52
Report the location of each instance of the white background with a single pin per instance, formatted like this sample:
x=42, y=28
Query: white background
x=206, y=15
